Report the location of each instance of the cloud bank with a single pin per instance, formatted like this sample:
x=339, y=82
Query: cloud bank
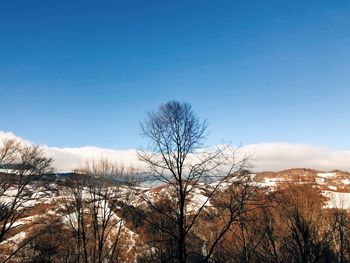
x=263, y=156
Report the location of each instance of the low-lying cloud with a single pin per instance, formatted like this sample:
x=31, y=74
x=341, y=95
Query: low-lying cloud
x=263, y=157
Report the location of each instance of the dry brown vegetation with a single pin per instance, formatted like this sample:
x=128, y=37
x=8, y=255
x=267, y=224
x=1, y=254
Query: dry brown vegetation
x=289, y=223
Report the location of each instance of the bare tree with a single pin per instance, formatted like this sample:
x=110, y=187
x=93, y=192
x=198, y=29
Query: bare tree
x=341, y=233
x=271, y=242
x=176, y=158
x=21, y=166
x=95, y=209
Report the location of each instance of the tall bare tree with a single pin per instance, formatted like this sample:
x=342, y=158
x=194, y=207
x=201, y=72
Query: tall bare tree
x=21, y=166
x=176, y=158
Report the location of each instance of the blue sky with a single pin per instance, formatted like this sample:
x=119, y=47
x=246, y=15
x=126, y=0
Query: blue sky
x=75, y=73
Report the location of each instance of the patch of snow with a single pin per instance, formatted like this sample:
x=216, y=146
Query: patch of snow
x=326, y=175
x=345, y=181
x=337, y=199
x=197, y=201
x=268, y=182
x=320, y=180
x=15, y=224
x=16, y=239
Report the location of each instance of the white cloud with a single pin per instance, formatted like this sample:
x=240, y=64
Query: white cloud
x=278, y=156
x=10, y=135
x=264, y=156
x=71, y=158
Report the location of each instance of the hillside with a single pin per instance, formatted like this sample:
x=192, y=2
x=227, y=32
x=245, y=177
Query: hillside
x=49, y=207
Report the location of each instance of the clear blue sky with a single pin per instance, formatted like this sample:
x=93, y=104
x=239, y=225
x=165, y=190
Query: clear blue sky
x=75, y=73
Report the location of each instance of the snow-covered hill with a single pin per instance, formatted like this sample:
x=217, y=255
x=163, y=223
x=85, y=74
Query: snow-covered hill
x=50, y=201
